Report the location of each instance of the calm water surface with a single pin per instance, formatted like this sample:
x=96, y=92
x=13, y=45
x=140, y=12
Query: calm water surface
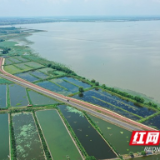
x=119, y=54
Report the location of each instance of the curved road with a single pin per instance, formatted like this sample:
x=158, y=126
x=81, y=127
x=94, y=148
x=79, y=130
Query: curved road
x=85, y=106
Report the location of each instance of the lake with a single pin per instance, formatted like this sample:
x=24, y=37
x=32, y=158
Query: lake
x=119, y=54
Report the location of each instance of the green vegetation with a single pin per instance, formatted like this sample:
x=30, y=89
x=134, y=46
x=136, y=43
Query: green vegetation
x=45, y=147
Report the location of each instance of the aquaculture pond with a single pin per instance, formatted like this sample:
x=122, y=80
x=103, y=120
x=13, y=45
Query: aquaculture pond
x=76, y=82
x=39, y=74
x=155, y=121
x=22, y=59
x=114, y=103
x=28, y=144
x=18, y=95
x=58, y=139
x=14, y=60
x=27, y=77
x=46, y=70
x=23, y=67
x=8, y=62
x=3, y=96
x=39, y=99
x=116, y=136
x=70, y=87
x=92, y=142
x=34, y=64
x=53, y=87
x=4, y=137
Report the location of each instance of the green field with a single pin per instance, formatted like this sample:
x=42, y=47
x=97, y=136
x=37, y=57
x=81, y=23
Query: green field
x=12, y=69
x=57, y=137
x=34, y=64
x=4, y=137
x=28, y=144
x=38, y=99
x=117, y=136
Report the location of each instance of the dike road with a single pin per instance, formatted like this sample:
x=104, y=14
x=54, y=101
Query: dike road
x=98, y=111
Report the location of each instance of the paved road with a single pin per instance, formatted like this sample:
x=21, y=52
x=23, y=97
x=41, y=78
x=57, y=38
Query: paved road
x=90, y=108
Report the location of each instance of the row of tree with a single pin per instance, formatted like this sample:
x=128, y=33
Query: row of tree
x=60, y=68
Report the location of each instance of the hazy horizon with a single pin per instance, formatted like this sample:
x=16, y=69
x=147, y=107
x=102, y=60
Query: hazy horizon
x=45, y=8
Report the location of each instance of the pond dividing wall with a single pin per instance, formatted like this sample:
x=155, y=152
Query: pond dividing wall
x=4, y=137
x=28, y=144
x=60, y=143
x=92, y=142
x=3, y=96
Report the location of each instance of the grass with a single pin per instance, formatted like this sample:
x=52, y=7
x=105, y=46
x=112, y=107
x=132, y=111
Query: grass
x=12, y=69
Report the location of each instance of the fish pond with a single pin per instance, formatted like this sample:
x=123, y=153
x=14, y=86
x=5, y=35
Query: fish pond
x=92, y=142
x=39, y=74
x=68, y=86
x=154, y=122
x=116, y=104
x=34, y=64
x=28, y=144
x=58, y=139
x=27, y=77
x=3, y=96
x=53, y=87
x=4, y=137
x=39, y=99
x=18, y=95
x=76, y=82
x=116, y=136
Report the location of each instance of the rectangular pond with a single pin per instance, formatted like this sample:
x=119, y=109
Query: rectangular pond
x=3, y=96
x=53, y=87
x=18, y=96
x=58, y=139
x=28, y=144
x=70, y=87
x=39, y=74
x=76, y=82
x=39, y=99
x=23, y=67
x=117, y=136
x=155, y=122
x=27, y=77
x=34, y=64
x=87, y=96
x=106, y=100
x=46, y=70
x=92, y=142
x=4, y=137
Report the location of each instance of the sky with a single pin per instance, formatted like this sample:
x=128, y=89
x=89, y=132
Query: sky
x=30, y=8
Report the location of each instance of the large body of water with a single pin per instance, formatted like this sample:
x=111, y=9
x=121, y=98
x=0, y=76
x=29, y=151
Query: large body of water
x=118, y=54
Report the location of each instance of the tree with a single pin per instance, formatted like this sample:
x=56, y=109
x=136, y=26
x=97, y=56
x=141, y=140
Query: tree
x=104, y=86
x=97, y=83
x=49, y=65
x=143, y=153
x=81, y=90
x=93, y=81
x=139, y=99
